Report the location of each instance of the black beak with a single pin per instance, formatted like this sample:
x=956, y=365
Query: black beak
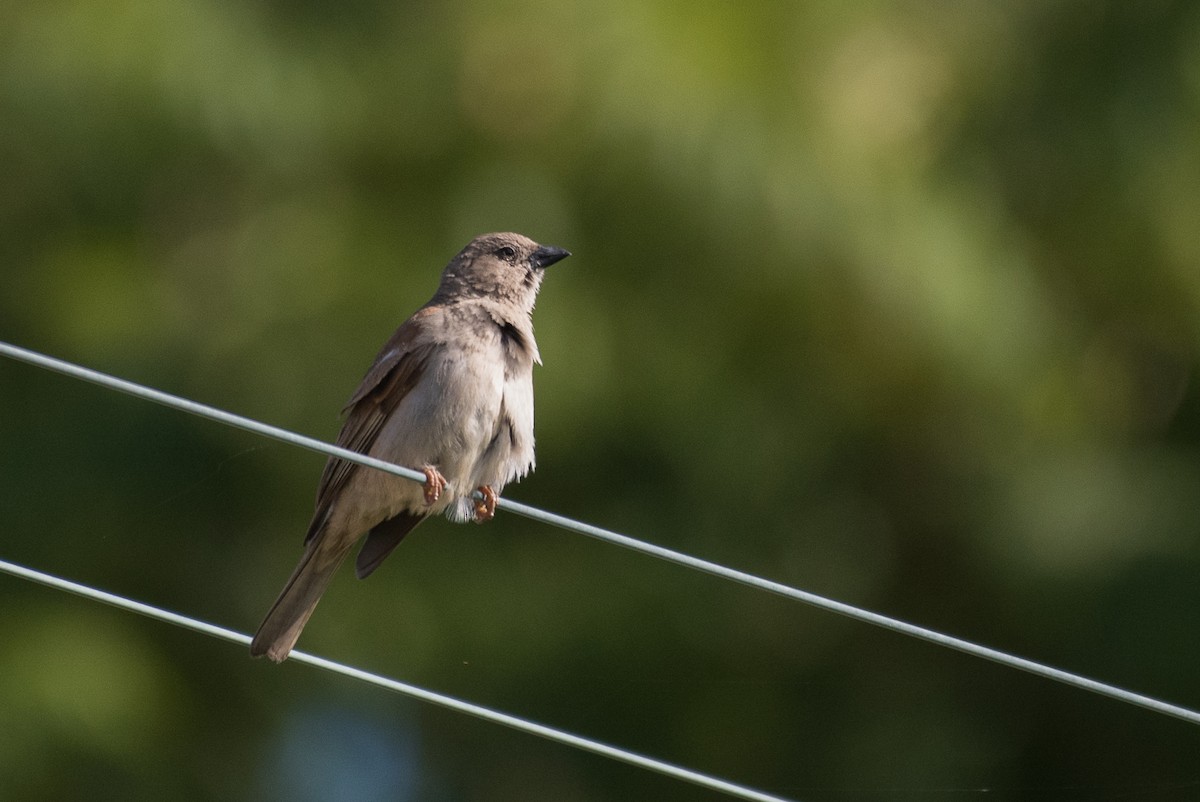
x=547, y=255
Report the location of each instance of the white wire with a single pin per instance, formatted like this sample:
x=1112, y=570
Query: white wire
x=850, y=611
x=496, y=717
x=859, y=614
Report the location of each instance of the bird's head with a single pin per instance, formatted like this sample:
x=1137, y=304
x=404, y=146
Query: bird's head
x=507, y=267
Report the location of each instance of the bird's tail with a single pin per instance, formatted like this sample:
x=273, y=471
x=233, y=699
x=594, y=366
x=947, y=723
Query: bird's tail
x=281, y=628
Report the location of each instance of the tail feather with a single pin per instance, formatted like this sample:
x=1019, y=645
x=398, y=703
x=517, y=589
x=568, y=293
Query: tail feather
x=281, y=628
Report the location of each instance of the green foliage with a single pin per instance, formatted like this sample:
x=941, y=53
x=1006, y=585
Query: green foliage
x=894, y=302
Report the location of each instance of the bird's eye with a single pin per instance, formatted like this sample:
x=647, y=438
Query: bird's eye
x=506, y=252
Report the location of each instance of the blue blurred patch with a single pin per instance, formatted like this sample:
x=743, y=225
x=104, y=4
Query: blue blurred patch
x=326, y=753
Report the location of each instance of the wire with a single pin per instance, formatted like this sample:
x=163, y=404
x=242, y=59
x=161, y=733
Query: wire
x=487, y=714
x=859, y=614
x=714, y=569
x=202, y=410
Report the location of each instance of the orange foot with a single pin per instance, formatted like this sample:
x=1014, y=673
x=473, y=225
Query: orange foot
x=435, y=483
x=485, y=508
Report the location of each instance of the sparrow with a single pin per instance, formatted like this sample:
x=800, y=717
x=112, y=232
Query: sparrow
x=450, y=395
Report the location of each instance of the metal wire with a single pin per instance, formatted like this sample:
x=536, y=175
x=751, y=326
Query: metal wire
x=496, y=717
x=714, y=569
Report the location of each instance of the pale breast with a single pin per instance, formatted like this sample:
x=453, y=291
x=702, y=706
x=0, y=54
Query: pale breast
x=508, y=454
x=470, y=415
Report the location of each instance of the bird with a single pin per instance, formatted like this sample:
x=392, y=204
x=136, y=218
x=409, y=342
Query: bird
x=450, y=394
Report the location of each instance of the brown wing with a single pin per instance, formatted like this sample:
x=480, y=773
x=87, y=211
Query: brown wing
x=396, y=370
x=382, y=540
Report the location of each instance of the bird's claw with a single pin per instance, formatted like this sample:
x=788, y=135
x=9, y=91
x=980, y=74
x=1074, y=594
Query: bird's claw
x=435, y=483
x=485, y=508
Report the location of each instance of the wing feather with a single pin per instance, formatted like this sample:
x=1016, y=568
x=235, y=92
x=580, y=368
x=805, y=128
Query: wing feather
x=395, y=372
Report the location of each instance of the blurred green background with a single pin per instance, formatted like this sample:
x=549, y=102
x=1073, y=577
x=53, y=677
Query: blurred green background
x=894, y=302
